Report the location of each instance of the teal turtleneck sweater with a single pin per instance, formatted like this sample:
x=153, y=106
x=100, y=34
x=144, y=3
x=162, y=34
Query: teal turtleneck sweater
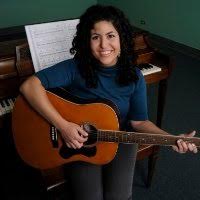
x=130, y=100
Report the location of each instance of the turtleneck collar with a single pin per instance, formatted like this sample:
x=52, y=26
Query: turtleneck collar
x=110, y=70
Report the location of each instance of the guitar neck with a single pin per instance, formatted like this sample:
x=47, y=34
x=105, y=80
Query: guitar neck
x=143, y=138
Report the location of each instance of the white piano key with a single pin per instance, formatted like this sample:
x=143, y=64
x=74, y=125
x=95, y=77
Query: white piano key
x=2, y=108
x=11, y=104
x=1, y=111
x=152, y=70
x=6, y=106
x=13, y=100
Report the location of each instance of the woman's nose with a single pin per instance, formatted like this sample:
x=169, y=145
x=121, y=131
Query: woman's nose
x=103, y=43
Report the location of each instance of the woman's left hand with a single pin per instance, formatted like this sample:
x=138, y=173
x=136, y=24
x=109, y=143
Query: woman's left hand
x=183, y=147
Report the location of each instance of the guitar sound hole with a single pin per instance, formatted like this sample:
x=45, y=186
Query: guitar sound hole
x=92, y=133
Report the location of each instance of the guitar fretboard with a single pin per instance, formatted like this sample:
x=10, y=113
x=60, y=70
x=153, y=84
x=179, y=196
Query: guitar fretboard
x=143, y=138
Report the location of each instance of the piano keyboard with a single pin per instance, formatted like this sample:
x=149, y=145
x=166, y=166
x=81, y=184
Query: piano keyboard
x=148, y=68
x=6, y=106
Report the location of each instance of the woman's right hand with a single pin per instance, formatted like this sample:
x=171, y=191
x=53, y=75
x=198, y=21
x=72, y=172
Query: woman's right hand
x=33, y=90
x=73, y=135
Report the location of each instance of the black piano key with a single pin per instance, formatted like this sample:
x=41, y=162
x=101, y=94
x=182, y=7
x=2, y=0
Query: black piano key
x=7, y=102
x=13, y=100
x=11, y=103
x=147, y=66
x=144, y=66
x=2, y=104
x=6, y=106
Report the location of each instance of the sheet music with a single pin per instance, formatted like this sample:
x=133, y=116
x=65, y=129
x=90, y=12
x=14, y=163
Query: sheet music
x=50, y=42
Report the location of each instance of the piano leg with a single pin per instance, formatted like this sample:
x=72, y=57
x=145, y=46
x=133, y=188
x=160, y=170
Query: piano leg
x=151, y=165
x=162, y=89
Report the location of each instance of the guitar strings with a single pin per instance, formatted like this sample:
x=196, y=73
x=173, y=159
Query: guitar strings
x=97, y=133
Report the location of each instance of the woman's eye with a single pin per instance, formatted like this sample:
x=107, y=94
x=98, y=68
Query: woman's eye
x=111, y=36
x=94, y=37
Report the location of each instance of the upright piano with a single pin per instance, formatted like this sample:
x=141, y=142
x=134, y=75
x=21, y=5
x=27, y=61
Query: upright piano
x=155, y=66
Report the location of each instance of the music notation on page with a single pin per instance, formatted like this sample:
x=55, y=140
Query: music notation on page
x=50, y=42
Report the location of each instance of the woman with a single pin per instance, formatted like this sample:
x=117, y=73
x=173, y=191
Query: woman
x=102, y=67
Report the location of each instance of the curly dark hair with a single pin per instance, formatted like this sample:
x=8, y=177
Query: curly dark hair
x=82, y=51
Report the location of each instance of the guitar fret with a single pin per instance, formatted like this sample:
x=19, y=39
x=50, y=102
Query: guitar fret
x=129, y=138
x=113, y=137
x=124, y=137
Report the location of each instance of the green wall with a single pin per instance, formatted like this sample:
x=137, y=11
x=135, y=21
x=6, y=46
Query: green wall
x=173, y=19
x=177, y=20
x=15, y=13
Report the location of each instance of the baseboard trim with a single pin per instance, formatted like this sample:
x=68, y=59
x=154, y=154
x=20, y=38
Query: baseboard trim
x=174, y=47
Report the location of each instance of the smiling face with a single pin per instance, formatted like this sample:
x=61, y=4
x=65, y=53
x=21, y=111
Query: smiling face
x=105, y=43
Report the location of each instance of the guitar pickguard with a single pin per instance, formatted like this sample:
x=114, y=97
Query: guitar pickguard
x=66, y=152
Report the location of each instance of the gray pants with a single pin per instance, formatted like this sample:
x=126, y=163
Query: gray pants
x=108, y=182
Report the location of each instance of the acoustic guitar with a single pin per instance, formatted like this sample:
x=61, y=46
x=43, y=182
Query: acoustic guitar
x=40, y=146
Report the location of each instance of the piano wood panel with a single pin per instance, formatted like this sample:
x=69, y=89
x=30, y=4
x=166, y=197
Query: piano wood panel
x=9, y=80
x=156, y=77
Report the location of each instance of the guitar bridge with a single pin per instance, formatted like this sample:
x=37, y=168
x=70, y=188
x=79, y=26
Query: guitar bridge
x=54, y=136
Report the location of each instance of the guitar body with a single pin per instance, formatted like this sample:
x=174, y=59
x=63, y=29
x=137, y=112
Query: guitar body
x=31, y=133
